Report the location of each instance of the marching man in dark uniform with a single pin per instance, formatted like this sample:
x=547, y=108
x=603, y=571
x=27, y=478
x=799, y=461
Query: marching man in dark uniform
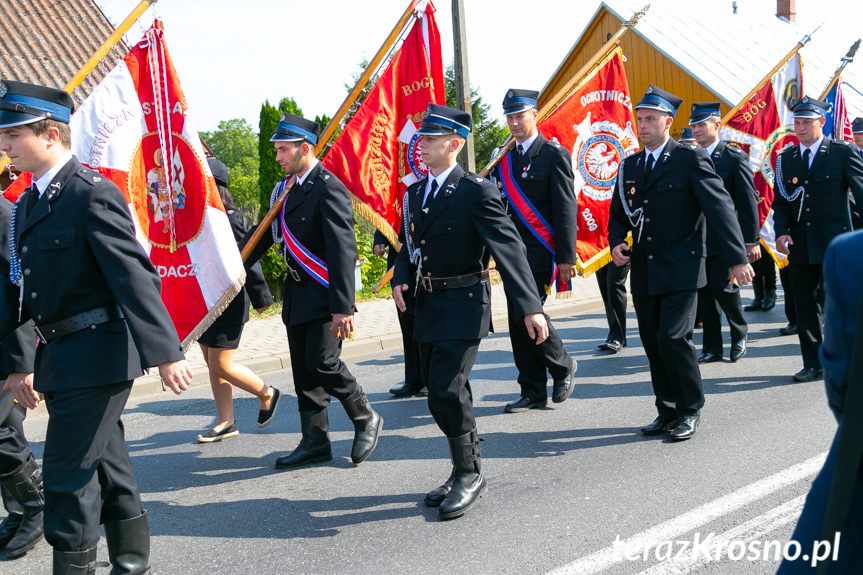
x=857, y=131
x=811, y=208
x=732, y=165
x=80, y=274
x=537, y=181
x=317, y=231
x=20, y=476
x=663, y=195
x=455, y=218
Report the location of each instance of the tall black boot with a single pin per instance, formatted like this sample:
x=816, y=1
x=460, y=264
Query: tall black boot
x=314, y=447
x=469, y=481
x=436, y=496
x=76, y=562
x=769, y=300
x=129, y=545
x=758, y=288
x=367, y=424
x=25, y=486
x=14, y=516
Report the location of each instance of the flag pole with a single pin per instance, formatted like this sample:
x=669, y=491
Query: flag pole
x=573, y=83
x=551, y=105
x=99, y=54
x=767, y=78
x=847, y=59
x=264, y=225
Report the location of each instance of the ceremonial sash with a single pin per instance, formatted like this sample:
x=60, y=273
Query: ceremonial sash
x=530, y=216
x=313, y=265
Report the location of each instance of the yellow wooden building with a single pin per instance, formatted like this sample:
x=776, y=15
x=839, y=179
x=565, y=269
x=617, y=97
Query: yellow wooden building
x=708, y=56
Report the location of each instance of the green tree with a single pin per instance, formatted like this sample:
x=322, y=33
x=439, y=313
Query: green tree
x=235, y=143
x=488, y=133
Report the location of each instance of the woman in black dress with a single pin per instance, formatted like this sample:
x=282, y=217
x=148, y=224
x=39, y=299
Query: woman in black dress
x=222, y=339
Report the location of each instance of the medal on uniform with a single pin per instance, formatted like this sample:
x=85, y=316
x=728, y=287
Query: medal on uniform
x=630, y=203
x=794, y=180
x=524, y=171
x=412, y=226
x=632, y=192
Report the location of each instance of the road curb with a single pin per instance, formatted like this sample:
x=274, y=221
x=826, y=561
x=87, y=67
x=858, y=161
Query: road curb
x=151, y=384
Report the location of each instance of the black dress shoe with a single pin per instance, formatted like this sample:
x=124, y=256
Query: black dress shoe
x=685, y=427
x=709, y=357
x=613, y=346
x=523, y=404
x=738, y=350
x=756, y=305
x=265, y=416
x=808, y=374
x=563, y=387
x=406, y=390
x=789, y=329
x=661, y=424
x=769, y=301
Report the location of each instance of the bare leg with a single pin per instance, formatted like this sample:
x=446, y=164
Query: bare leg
x=223, y=368
x=223, y=392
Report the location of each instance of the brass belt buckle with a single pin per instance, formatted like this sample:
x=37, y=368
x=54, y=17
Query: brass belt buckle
x=427, y=283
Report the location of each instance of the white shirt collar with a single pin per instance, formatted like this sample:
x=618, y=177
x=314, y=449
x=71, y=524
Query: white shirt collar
x=440, y=179
x=301, y=179
x=711, y=148
x=655, y=153
x=813, y=149
x=526, y=144
x=48, y=177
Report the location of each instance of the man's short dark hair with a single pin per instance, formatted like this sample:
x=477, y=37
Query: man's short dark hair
x=41, y=127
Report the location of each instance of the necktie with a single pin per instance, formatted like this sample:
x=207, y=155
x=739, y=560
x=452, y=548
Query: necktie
x=520, y=150
x=32, y=198
x=648, y=167
x=430, y=194
x=806, y=155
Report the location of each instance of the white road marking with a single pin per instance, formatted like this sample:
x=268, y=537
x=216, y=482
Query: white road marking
x=752, y=530
x=674, y=528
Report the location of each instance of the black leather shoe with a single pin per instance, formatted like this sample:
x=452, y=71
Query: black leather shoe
x=367, y=424
x=789, y=329
x=524, y=403
x=129, y=545
x=406, y=390
x=709, y=357
x=738, y=350
x=685, y=428
x=612, y=345
x=661, y=424
x=9, y=527
x=314, y=447
x=25, y=487
x=563, y=387
x=756, y=305
x=808, y=374
x=769, y=301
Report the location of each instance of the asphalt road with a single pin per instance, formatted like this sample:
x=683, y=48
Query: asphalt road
x=565, y=483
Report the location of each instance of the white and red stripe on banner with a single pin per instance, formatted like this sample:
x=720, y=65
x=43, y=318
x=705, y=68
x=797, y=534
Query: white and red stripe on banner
x=134, y=128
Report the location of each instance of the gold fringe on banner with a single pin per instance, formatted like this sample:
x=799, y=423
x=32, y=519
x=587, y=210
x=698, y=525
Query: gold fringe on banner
x=214, y=313
x=365, y=211
x=779, y=262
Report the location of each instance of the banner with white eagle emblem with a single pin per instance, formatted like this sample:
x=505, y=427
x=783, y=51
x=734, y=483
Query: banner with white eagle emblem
x=596, y=123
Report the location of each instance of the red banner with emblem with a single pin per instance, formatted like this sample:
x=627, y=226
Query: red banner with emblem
x=763, y=126
x=376, y=155
x=596, y=123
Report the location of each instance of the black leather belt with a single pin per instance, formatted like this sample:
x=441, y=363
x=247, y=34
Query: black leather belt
x=431, y=284
x=88, y=319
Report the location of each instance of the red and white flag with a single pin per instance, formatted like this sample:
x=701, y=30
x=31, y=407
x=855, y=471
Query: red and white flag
x=376, y=156
x=134, y=128
x=763, y=126
x=596, y=124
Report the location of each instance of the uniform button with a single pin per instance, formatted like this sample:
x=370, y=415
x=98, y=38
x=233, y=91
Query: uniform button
x=645, y=201
x=646, y=220
x=422, y=242
x=692, y=252
x=33, y=295
x=56, y=241
x=303, y=219
x=808, y=224
x=650, y=239
x=807, y=209
x=92, y=326
x=650, y=257
x=39, y=317
x=807, y=196
x=23, y=249
x=27, y=272
x=806, y=182
x=470, y=295
x=425, y=258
